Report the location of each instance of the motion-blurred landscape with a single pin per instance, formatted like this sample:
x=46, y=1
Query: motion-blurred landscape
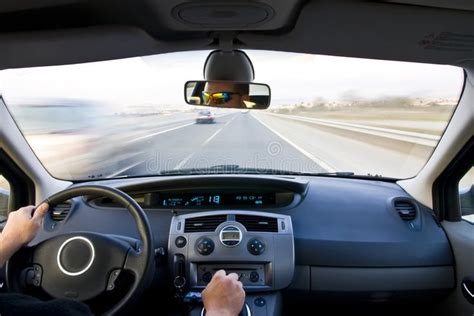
x=423, y=115
x=86, y=140
x=128, y=117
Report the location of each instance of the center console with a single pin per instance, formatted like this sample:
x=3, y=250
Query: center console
x=257, y=246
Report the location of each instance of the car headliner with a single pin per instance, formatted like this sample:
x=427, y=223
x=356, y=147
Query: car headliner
x=51, y=32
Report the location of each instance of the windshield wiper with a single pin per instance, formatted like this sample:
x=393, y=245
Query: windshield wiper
x=336, y=173
x=350, y=174
x=236, y=169
x=230, y=169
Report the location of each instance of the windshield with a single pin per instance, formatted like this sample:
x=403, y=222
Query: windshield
x=128, y=117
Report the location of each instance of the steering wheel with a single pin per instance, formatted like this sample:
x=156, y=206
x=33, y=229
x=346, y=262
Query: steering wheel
x=83, y=265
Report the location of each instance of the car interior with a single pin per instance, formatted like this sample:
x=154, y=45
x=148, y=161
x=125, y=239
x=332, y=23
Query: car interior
x=331, y=202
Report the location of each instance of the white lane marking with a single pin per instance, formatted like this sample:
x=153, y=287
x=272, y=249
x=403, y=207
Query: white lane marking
x=183, y=162
x=212, y=136
x=319, y=161
x=217, y=132
x=124, y=169
x=160, y=132
x=228, y=122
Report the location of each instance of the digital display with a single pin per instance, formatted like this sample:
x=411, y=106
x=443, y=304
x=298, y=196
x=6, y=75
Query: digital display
x=226, y=199
x=230, y=235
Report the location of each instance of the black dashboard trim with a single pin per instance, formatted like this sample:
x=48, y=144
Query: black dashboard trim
x=340, y=223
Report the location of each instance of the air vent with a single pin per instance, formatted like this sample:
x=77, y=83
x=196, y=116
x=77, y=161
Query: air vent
x=203, y=224
x=258, y=223
x=406, y=210
x=60, y=211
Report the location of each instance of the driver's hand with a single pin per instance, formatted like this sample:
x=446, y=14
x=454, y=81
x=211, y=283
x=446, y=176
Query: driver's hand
x=224, y=295
x=20, y=229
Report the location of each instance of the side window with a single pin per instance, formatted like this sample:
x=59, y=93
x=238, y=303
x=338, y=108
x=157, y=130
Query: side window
x=466, y=196
x=4, y=194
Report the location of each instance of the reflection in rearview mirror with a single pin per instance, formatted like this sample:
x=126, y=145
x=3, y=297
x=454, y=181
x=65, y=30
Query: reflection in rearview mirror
x=228, y=94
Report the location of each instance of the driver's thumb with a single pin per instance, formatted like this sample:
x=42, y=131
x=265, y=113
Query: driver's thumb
x=41, y=211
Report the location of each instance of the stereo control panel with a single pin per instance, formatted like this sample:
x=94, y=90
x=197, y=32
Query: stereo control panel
x=249, y=274
x=257, y=246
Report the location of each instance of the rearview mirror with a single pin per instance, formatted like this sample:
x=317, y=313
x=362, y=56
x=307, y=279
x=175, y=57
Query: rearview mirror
x=228, y=94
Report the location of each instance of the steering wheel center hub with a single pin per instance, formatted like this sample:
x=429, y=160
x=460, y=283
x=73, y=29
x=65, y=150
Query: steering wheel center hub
x=75, y=256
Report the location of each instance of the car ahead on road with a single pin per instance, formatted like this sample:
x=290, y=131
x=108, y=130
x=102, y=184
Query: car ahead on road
x=205, y=117
x=350, y=190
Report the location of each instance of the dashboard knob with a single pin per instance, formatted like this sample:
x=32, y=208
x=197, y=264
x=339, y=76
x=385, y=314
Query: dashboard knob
x=180, y=242
x=205, y=246
x=254, y=276
x=207, y=277
x=256, y=246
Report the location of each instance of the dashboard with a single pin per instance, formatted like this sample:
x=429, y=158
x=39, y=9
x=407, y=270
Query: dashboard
x=247, y=243
x=363, y=239
x=223, y=198
x=217, y=199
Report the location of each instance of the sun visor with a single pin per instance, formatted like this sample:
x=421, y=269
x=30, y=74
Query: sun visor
x=232, y=65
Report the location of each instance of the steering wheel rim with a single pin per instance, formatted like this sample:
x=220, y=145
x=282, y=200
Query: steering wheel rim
x=137, y=261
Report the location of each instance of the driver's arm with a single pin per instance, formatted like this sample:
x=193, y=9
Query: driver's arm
x=20, y=229
x=224, y=295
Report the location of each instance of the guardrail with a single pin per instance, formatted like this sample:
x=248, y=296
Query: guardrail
x=404, y=136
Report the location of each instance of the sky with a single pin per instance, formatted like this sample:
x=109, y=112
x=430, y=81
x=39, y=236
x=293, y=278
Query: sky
x=293, y=78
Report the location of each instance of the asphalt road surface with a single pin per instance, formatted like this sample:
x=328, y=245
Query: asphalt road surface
x=147, y=145
x=346, y=150
x=234, y=139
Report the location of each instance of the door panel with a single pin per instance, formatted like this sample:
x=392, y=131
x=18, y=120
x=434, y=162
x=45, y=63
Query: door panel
x=461, y=236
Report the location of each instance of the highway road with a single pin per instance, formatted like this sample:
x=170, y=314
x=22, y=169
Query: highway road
x=234, y=139
x=358, y=150
x=145, y=145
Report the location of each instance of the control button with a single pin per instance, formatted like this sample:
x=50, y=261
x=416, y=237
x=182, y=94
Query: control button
x=38, y=274
x=112, y=278
x=206, y=277
x=205, y=246
x=179, y=282
x=180, y=242
x=33, y=275
x=30, y=276
x=256, y=247
x=260, y=302
x=254, y=276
